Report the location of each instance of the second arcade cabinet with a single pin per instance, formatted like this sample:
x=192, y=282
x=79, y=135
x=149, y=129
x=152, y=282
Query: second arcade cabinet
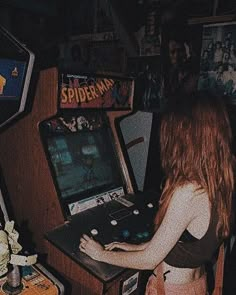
x=19, y=272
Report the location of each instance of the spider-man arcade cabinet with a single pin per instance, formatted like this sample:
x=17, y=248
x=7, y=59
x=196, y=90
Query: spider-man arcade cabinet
x=75, y=172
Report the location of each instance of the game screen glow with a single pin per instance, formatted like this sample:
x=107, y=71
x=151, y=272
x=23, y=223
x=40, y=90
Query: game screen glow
x=83, y=161
x=12, y=74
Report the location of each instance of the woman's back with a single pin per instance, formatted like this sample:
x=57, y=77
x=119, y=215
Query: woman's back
x=197, y=243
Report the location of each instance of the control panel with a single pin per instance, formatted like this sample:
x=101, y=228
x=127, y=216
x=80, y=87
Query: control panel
x=127, y=219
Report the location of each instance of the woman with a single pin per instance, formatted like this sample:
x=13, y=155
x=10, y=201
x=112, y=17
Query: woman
x=195, y=206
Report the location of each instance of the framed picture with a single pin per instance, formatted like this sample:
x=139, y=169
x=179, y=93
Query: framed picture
x=180, y=51
x=74, y=55
x=86, y=53
x=218, y=60
x=146, y=71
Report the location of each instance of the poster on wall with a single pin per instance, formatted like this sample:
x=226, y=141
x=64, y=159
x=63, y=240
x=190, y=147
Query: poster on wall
x=218, y=60
x=180, y=51
x=146, y=71
x=74, y=55
x=100, y=53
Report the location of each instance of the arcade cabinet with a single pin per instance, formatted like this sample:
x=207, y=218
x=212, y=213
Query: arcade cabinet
x=19, y=273
x=16, y=65
x=73, y=173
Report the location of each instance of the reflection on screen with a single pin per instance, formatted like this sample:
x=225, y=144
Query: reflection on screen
x=83, y=161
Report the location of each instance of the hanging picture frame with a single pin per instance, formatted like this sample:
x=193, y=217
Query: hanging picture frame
x=146, y=71
x=180, y=51
x=218, y=60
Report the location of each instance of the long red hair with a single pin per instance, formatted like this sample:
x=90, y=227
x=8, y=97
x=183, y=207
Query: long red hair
x=195, y=140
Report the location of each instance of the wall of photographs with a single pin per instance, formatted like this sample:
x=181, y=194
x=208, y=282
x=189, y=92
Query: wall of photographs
x=186, y=57
x=192, y=57
x=218, y=60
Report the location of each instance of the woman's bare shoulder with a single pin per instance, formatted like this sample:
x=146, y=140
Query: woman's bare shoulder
x=190, y=194
x=188, y=191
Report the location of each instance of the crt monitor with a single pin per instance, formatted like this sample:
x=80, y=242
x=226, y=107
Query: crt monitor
x=82, y=159
x=16, y=64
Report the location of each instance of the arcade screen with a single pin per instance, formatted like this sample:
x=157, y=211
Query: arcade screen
x=16, y=64
x=83, y=162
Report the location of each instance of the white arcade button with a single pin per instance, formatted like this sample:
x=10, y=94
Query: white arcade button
x=94, y=232
x=136, y=211
x=150, y=205
x=114, y=222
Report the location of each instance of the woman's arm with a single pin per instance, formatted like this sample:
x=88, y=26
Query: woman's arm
x=178, y=216
x=126, y=246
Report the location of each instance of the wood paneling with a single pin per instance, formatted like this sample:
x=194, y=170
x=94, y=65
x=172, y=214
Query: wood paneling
x=25, y=169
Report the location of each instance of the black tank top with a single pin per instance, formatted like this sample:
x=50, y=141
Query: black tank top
x=190, y=252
